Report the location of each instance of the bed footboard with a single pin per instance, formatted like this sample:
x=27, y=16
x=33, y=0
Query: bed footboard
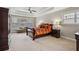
x=30, y=32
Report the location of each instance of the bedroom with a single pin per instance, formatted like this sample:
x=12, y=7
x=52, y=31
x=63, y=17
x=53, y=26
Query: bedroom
x=62, y=37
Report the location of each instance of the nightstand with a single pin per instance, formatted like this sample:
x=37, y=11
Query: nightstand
x=55, y=33
x=77, y=41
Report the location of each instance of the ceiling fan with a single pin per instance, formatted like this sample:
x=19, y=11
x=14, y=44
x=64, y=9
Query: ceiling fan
x=30, y=10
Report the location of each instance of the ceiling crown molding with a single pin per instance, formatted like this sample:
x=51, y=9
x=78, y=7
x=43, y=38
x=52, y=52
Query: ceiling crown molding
x=52, y=11
x=41, y=11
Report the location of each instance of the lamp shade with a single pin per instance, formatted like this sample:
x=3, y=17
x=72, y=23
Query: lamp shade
x=57, y=24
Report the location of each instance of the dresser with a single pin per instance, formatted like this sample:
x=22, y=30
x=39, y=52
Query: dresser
x=3, y=29
x=77, y=41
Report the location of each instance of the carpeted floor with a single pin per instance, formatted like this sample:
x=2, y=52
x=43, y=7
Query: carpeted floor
x=21, y=42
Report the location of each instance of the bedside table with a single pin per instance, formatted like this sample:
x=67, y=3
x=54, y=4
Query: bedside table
x=55, y=33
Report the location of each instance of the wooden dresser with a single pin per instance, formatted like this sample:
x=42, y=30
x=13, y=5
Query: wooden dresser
x=77, y=41
x=3, y=29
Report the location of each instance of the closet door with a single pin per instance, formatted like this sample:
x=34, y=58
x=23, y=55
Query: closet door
x=3, y=29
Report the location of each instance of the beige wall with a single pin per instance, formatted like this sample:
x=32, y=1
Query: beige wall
x=68, y=30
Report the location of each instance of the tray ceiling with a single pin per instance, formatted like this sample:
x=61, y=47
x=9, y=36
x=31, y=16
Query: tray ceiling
x=24, y=10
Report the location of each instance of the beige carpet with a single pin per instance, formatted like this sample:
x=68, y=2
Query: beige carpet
x=21, y=42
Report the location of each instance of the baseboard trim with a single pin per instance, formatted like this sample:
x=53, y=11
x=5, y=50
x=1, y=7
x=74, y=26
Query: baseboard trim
x=65, y=37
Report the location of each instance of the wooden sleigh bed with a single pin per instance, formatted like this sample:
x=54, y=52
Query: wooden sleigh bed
x=42, y=30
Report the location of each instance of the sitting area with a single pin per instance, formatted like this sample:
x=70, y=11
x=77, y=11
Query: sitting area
x=21, y=30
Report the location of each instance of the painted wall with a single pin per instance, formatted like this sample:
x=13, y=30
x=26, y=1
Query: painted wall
x=43, y=19
x=67, y=30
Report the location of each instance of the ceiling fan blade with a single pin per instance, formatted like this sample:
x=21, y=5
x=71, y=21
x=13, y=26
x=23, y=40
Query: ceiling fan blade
x=33, y=10
x=29, y=9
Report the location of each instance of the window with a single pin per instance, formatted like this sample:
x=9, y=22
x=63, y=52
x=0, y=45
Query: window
x=69, y=18
x=77, y=17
